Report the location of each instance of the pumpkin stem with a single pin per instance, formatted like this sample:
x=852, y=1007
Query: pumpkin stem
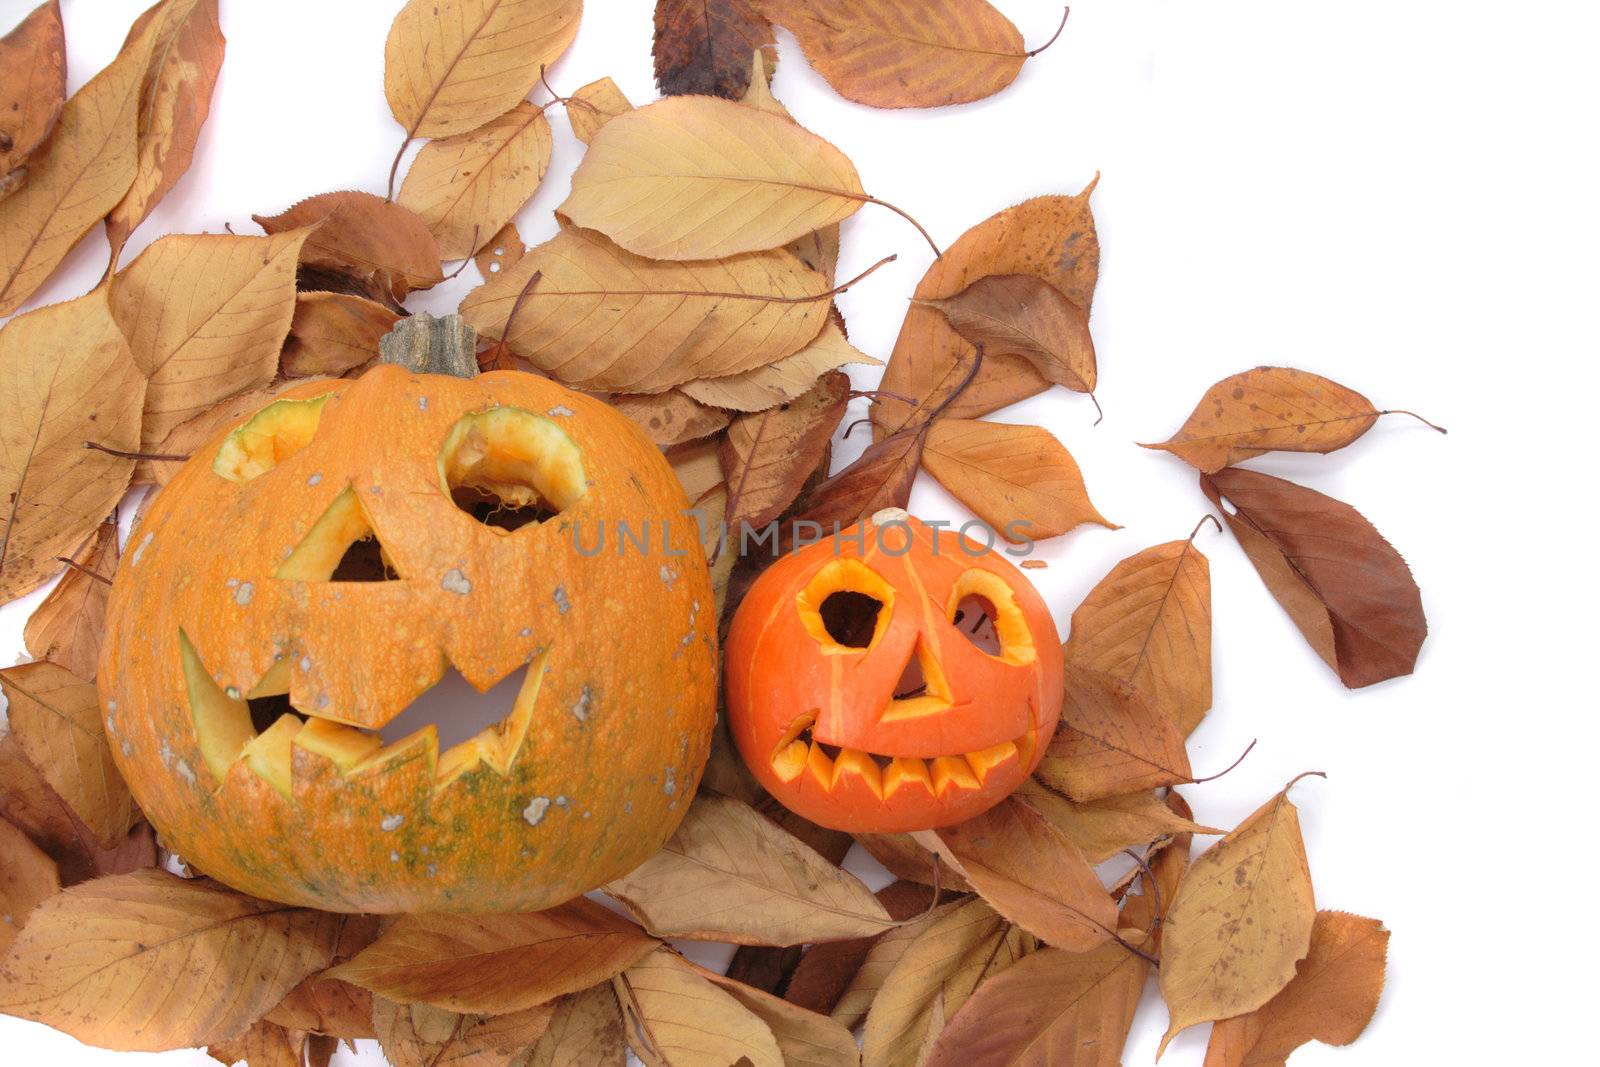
x=423, y=344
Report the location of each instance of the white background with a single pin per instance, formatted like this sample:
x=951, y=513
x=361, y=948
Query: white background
x=1399, y=194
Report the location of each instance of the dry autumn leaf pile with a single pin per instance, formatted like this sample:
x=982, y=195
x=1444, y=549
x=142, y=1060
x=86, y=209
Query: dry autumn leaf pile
x=689, y=280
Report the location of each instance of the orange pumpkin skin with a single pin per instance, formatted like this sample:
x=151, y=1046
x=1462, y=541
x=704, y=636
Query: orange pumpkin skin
x=794, y=691
x=595, y=762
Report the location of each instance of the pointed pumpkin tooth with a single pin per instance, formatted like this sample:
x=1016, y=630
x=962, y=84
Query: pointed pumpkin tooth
x=1027, y=743
x=953, y=772
x=820, y=765
x=269, y=754
x=852, y=766
x=344, y=745
x=908, y=772
x=986, y=760
x=790, y=760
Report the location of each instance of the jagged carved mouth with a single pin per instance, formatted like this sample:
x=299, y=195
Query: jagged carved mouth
x=262, y=729
x=799, y=752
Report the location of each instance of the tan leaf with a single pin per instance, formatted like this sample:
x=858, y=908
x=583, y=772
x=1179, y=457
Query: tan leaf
x=332, y=333
x=496, y=963
x=1019, y=479
x=468, y=186
x=205, y=315
x=730, y=875
x=1241, y=920
x=671, y=418
x=326, y=1006
x=805, y=1038
x=419, y=1036
x=148, y=962
x=187, y=47
x=1270, y=409
x=826, y=970
x=1148, y=622
x=67, y=627
x=776, y=383
x=264, y=1044
x=593, y=105
x=704, y=47
x=33, y=83
x=1105, y=827
x=600, y=318
x=880, y=477
x=27, y=878
x=1167, y=862
x=767, y=456
x=83, y=170
x=961, y=946
x=904, y=857
x=695, y=177
x=1112, y=740
x=851, y=1005
x=585, y=1031
x=1049, y=237
x=1331, y=998
x=450, y=66
x=677, y=1017
x=501, y=252
x=27, y=801
x=188, y=436
x=1345, y=587
x=69, y=378
x=695, y=464
x=905, y=53
x=1031, y=873
x=381, y=245
x=56, y=716
x=1018, y=314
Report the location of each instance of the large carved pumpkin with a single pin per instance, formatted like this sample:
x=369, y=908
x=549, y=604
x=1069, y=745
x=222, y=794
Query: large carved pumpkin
x=901, y=681
x=306, y=576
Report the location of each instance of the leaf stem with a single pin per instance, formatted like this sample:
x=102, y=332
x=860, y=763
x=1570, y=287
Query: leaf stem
x=870, y=199
x=505, y=333
x=1242, y=755
x=1202, y=522
x=120, y=454
x=1100, y=415
x=1414, y=415
x=1053, y=36
x=81, y=569
x=394, y=168
x=972, y=372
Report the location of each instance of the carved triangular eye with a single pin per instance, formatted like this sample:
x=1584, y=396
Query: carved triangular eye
x=341, y=546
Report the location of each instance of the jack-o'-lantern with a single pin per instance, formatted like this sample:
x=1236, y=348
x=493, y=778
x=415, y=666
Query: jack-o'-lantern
x=307, y=575
x=894, y=678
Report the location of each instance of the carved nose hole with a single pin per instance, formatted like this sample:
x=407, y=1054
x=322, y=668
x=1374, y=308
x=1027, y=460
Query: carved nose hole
x=850, y=617
x=974, y=618
x=912, y=683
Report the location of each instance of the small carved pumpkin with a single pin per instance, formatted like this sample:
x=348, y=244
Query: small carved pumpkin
x=307, y=575
x=901, y=682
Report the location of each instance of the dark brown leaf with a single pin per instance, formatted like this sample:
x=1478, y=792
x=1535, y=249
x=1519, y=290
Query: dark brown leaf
x=767, y=455
x=379, y=244
x=705, y=47
x=880, y=478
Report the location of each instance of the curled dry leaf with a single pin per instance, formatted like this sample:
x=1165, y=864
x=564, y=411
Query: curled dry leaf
x=147, y=962
x=1019, y=314
x=1019, y=479
x=585, y=1031
x=501, y=252
x=205, y=316
x=1240, y=922
x=450, y=66
x=1049, y=237
x=1103, y=828
x=27, y=878
x=1051, y=1009
x=464, y=188
x=703, y=47
x=332, y=333
x=695, y=177
x=27, y=801
x=496, y=963
x=381, y=245
x=880, y=477
x=1112, y=739
x=1346, y=588
x=1270, y=409
x=56, y=716
x=33, y=83
x=185, y=59
x=677, y=1015
x=729, y=874
x=69, y=378
x=1031, y=873
x=1331, y=998
x=419, y=1036
x=593, y=105
x=905, y=53
x=761, y=388
x=80, y=175
x=1148, y=622
x=602, y=318
x=671, y=418
x=767, y=456
x=67, y=627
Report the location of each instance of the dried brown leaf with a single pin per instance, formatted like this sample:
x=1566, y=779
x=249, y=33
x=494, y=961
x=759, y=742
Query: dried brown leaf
x=767, y=456
x=584, y=1031
x=450, y=66
x=420, y=1036
x=729, y=874
x=265, y=1044
x=905, y=53
x=601, y=318
x=880, y=477
x=27, y=878
x=496, y=963
x=1346, y=588
x=67, y=627
x=671, y=418
x=593, y=105
x=501, y=252
x=69, y=378
x=1240, y=922
x=332, y=333
x=147, y=961
x=464, y=188
x=1105, y=827
x=384, y=247
x=1112, y=740
x=695, y=177
x=27, y=801
x=903, y=857
x=1019, y=314
x=704, y=47
x=677, y=1016
x=779, y=382
x=1331, y=998
x=326, y=1006
x=826, y=970
x=33, y=83
x=1019, y=479
x=1148, y=622
x=805, y=1038
x=696, y=466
